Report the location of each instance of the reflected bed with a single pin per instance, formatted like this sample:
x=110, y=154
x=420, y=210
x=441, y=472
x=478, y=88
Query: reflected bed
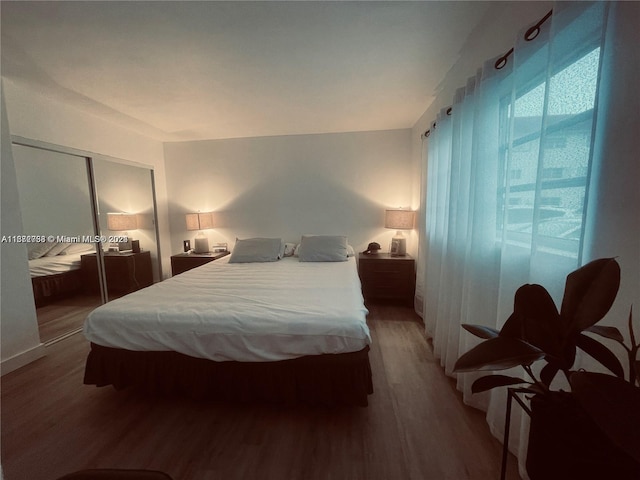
x=57, y=275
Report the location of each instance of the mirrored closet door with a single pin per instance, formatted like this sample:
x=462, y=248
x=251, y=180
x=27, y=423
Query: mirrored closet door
x=127, y=220
x=55, y=202
x=93, y=225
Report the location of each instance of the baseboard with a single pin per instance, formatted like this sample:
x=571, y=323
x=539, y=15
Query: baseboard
x=22, y=359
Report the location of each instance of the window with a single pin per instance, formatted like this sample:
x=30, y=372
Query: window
x=543, y=196
x=552, y=172
x=515, y=174
x=555, y=141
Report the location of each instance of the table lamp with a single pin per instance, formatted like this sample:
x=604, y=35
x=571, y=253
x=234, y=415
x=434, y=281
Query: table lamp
x=200, y=221
x=123, y=222
x=398, y=219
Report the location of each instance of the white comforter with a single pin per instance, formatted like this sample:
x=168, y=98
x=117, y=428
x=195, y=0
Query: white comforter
x=245, y=312
x=40, y=267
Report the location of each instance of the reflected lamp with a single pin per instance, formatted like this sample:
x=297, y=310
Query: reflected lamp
x=123, y=222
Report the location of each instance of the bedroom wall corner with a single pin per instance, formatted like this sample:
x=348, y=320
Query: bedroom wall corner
x=19, y=338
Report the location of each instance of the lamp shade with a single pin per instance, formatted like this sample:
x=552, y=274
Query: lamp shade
x=399, y=219
x=199, y=221
x=121, y=222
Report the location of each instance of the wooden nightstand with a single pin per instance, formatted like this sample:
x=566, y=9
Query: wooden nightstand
x=186, y=261
x=384, y=277
x=126, y=272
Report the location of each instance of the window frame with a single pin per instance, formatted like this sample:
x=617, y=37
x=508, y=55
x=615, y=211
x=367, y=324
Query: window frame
x=566, y=247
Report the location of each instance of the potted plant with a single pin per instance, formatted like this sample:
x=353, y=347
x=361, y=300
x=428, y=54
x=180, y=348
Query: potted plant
x=593, y=429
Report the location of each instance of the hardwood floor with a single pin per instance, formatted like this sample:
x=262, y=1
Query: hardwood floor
x=65, y=315
x=414, y=428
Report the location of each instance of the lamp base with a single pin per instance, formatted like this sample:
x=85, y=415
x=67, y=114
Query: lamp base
x=201, y=245
x=398, y=247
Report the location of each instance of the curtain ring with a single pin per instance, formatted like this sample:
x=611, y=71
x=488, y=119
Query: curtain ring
x=427, y=133
x=502, y=61
x=449, y=111
x=532, y=33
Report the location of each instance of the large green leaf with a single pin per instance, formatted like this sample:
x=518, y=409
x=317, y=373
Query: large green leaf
x=535, y=320
x=514, y=326
x=589, y=293
x=498, y=354
x=612, y=333
x=614, y=405
x=492, y=381
x=481, y=331
x=601, y=353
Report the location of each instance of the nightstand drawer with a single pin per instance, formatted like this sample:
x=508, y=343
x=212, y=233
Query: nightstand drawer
x=377, y=267
x=125, y=272
x=387, y=278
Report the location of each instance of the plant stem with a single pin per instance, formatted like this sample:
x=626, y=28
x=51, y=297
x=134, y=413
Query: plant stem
x=634, y=376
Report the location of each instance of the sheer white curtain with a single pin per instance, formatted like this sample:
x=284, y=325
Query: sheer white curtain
x=507, y=187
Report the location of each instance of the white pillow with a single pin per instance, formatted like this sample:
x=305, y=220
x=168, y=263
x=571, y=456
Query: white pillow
x=323, y=248
x=57, y=249
x=295, y=250
x=78, y=248
x=253, y=250
x=37, y=250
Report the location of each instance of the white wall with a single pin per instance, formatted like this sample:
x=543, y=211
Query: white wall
x=33, y=116
x=19, y=338
x=291, y=185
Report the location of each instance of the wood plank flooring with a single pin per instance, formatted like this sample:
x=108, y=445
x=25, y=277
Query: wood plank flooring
x=415, y=427
x=64, y=316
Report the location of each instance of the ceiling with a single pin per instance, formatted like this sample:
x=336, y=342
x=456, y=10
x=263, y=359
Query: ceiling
x=179, y=71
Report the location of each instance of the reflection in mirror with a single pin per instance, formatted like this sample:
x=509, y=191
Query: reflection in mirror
x=127, y=218
x=56, y=209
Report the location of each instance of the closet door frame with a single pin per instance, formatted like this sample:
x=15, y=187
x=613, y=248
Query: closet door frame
x=88, y=158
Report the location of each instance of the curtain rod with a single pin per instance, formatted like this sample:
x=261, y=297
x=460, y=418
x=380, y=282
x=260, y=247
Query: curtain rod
x=529, y=35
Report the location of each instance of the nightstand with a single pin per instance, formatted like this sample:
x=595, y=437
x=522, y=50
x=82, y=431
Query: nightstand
x=387, y=278
x=186, y=261
x=126, y=272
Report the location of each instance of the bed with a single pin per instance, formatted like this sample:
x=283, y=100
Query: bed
x=56, y=274
x=286, y=330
